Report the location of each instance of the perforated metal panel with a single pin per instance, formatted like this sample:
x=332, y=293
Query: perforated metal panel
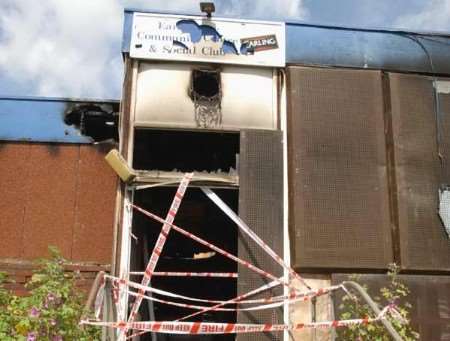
x=56, y=194
x=444, y=128
x=261, y=207
x=339, y=204
x=423, y=241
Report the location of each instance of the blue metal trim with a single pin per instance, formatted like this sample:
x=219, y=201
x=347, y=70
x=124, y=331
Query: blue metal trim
x=347, y=48
x=40, y=120
x=60, y=99
x=369, y=29
x=127, y=27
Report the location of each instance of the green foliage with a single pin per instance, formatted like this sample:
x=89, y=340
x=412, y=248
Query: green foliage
x=353, y=307
x=51, y=311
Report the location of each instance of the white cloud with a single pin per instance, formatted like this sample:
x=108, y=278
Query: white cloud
x=435, y=16
x=72, y=48
x=60, y=47
x=279, y=9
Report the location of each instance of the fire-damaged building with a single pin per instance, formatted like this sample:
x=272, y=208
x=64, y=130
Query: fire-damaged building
x=330, y=144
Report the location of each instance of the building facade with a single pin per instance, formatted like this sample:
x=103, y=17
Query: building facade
x=330, y=143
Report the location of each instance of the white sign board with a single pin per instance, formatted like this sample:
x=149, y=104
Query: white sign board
x=171, y=37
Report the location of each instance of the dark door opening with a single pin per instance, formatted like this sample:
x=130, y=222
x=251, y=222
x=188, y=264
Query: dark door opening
x=198, y=215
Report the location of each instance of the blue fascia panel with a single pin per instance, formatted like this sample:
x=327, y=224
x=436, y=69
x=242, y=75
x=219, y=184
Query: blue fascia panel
x=39, y=120
x=327, y=47
x=394, y=51
x=126, y=34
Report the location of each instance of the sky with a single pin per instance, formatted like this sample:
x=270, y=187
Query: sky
x=71, y=48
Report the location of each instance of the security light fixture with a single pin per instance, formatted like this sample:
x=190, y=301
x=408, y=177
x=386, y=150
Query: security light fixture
x=208, y=8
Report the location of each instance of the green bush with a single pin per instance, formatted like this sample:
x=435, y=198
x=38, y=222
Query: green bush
x=51, y=311
x=396, y=293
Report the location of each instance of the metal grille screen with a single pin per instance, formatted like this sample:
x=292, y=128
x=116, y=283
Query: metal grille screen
x=261, y=207
x=423, y=241
x=339, y=204
x=444, y=130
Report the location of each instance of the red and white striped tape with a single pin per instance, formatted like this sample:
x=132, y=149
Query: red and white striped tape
x=247, y=230
x=190, y=274
x=213, y=247
x=219, y=305
x=206, y=328
x=116, y=282
x=295, y=297
x=272, y=305
x=241, y=224
x=177, y=327
x=158, y=248
x=200, y=307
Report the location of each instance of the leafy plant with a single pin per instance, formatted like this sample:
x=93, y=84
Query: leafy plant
x=51, y=311
x=396, y=293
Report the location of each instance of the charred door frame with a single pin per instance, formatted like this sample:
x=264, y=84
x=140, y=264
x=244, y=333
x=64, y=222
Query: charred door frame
x=123, y=219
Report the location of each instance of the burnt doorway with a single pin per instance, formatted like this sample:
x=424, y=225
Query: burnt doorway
x=200, y=216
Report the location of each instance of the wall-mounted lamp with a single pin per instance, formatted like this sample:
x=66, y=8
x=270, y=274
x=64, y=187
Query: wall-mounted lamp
x=208, y=8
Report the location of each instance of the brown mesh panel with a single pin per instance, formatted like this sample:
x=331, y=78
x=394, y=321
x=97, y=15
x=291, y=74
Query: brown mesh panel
x=56, y=194
x=14, y=160
x=50, y=199
x=444, y=107
x=261, y=207
x=339, y=205
x=429, y=297
x=423, y=242
x=96, y=190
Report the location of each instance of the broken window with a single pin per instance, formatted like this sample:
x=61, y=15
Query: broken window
x=444, y=207
x=94, y=121
x=185, y=151
x=206, y=93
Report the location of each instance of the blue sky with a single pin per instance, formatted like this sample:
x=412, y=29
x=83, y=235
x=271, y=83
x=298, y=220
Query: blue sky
x=71, y=48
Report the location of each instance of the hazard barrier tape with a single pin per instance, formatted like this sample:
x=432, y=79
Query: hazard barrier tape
x=234, y=300
x=206, y=328
x=137, y=334
x=244, y=227
x=118, y=296
x=213, y=247
x=190, y=274
x=294, y=296
x=157, y=250
x=233, y=216
x=259, y=307
x=116, y=281
x=199, y=307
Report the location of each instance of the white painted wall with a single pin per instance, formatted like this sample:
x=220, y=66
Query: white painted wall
x=162, y=98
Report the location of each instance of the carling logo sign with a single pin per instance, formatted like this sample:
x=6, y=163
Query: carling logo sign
x=171, y=37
